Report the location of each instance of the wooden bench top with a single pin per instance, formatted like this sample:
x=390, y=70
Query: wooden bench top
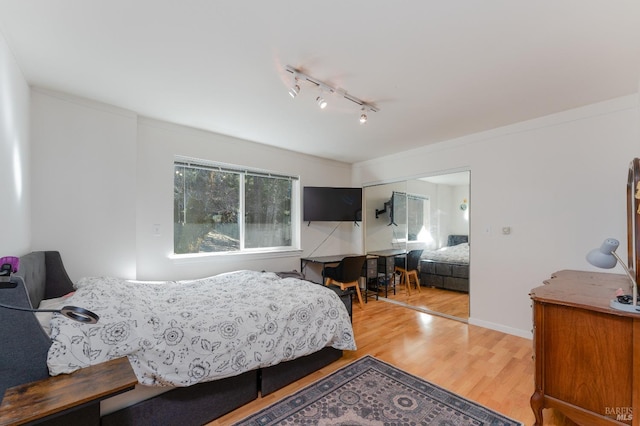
x=37, y=400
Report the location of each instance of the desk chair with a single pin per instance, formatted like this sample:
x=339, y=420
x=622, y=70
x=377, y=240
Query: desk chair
x=409, y=270
x=346, y=274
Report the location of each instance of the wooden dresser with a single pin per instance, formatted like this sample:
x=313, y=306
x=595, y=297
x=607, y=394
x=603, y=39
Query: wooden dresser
x=587, y=355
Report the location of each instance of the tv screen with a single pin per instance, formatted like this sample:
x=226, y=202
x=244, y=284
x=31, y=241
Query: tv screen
x=326, y=204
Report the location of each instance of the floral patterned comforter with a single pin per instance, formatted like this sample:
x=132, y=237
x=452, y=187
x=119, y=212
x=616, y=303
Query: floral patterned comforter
x=180, y=333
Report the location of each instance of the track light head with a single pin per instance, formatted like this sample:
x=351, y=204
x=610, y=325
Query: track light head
x=322, y=103
x=295, y=89
x=363, y=116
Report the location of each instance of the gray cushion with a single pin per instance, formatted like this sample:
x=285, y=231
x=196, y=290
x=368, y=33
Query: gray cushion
x=454, y=240
x=34, y=273
x=23, y=342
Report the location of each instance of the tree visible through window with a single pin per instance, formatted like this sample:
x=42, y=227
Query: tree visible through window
x=223, y=209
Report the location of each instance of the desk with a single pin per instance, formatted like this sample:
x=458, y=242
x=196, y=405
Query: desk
x=386, y=268
x=586, y=353
x=323, y=261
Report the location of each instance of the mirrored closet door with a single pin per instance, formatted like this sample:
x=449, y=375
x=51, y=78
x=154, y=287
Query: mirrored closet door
x=429, y=216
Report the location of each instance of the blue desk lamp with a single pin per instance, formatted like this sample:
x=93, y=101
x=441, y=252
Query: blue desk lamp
x=605, y=257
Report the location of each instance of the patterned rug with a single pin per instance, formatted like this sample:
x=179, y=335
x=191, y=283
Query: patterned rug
x=370, y=392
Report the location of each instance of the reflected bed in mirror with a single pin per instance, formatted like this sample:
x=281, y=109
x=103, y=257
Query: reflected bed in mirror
x=432, y=214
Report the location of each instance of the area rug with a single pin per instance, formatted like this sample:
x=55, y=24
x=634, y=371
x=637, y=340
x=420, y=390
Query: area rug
x=370, y=392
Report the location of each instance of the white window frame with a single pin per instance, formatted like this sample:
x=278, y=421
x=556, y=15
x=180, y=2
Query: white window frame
x=254, y=252
x=426, y=216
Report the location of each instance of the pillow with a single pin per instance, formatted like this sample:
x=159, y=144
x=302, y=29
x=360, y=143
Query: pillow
x=290, y=274
x=44, y=318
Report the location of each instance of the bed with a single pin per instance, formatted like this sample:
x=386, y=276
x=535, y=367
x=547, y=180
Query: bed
x=238, y=375
x=447, y=267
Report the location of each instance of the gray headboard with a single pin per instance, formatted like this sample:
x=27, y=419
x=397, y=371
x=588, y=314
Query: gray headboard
x=34, y=274
x=454, y=240
x=44, y=276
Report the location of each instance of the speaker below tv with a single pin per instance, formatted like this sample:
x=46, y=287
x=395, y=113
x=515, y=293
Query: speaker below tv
x=327, y=204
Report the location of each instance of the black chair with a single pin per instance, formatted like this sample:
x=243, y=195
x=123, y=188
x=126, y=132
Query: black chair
x=409, y=270
x=346, y=274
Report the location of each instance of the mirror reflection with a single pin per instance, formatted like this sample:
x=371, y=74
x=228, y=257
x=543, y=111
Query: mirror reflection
x=420, y=228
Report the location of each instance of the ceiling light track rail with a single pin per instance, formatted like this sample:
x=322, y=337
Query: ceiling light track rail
x=327, y=89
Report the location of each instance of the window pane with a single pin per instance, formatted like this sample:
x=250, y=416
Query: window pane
x=267, y=215
x=222, y=208
x=418, y=218
x=206, y=210
x=415, y=217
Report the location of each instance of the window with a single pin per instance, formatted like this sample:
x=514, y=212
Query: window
x=416, y=209
x=221, y=208
x=417, y=217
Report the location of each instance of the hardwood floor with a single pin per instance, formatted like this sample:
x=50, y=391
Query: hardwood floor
x=486, y=366
x=447, y=302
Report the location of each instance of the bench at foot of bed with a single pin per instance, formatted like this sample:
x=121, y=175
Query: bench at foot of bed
x=68, y=398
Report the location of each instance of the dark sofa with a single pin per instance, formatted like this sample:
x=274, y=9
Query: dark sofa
x=23, y=357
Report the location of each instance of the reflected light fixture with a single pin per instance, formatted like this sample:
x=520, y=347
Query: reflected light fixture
x=325, y=88
x=606, y=257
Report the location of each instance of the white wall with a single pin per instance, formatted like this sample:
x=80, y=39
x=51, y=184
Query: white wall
x=559, y=182
x=442, y=214
x=84, y=184
x=459, y=218
x=100, y=181
x=160, y=142
x=15, y=190
x=379, y=234
x=103, y=177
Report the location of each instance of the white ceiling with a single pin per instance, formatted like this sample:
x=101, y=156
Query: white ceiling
x=436, y=69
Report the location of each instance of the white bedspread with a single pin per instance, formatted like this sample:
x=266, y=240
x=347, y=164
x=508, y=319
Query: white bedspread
x=186, y=332
x=453, y=254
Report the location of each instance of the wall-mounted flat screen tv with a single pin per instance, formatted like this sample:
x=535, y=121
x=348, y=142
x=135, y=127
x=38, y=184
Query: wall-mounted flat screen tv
x=326, y=204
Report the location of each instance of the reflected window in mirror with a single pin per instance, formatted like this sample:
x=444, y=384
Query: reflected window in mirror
x=419, y=219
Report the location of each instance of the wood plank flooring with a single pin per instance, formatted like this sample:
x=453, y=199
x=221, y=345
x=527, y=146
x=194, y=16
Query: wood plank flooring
x=486, y=366
x=452, y=303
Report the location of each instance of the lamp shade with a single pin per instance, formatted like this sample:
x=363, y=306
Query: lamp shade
x=602, y=257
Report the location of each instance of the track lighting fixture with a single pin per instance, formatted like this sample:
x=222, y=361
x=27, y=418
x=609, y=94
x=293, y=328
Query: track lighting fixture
x=363, y=116
x=327, y=89
x=295, y=89
x=322, y=103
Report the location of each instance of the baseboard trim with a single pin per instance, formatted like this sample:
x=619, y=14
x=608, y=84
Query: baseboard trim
x=502, y=328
